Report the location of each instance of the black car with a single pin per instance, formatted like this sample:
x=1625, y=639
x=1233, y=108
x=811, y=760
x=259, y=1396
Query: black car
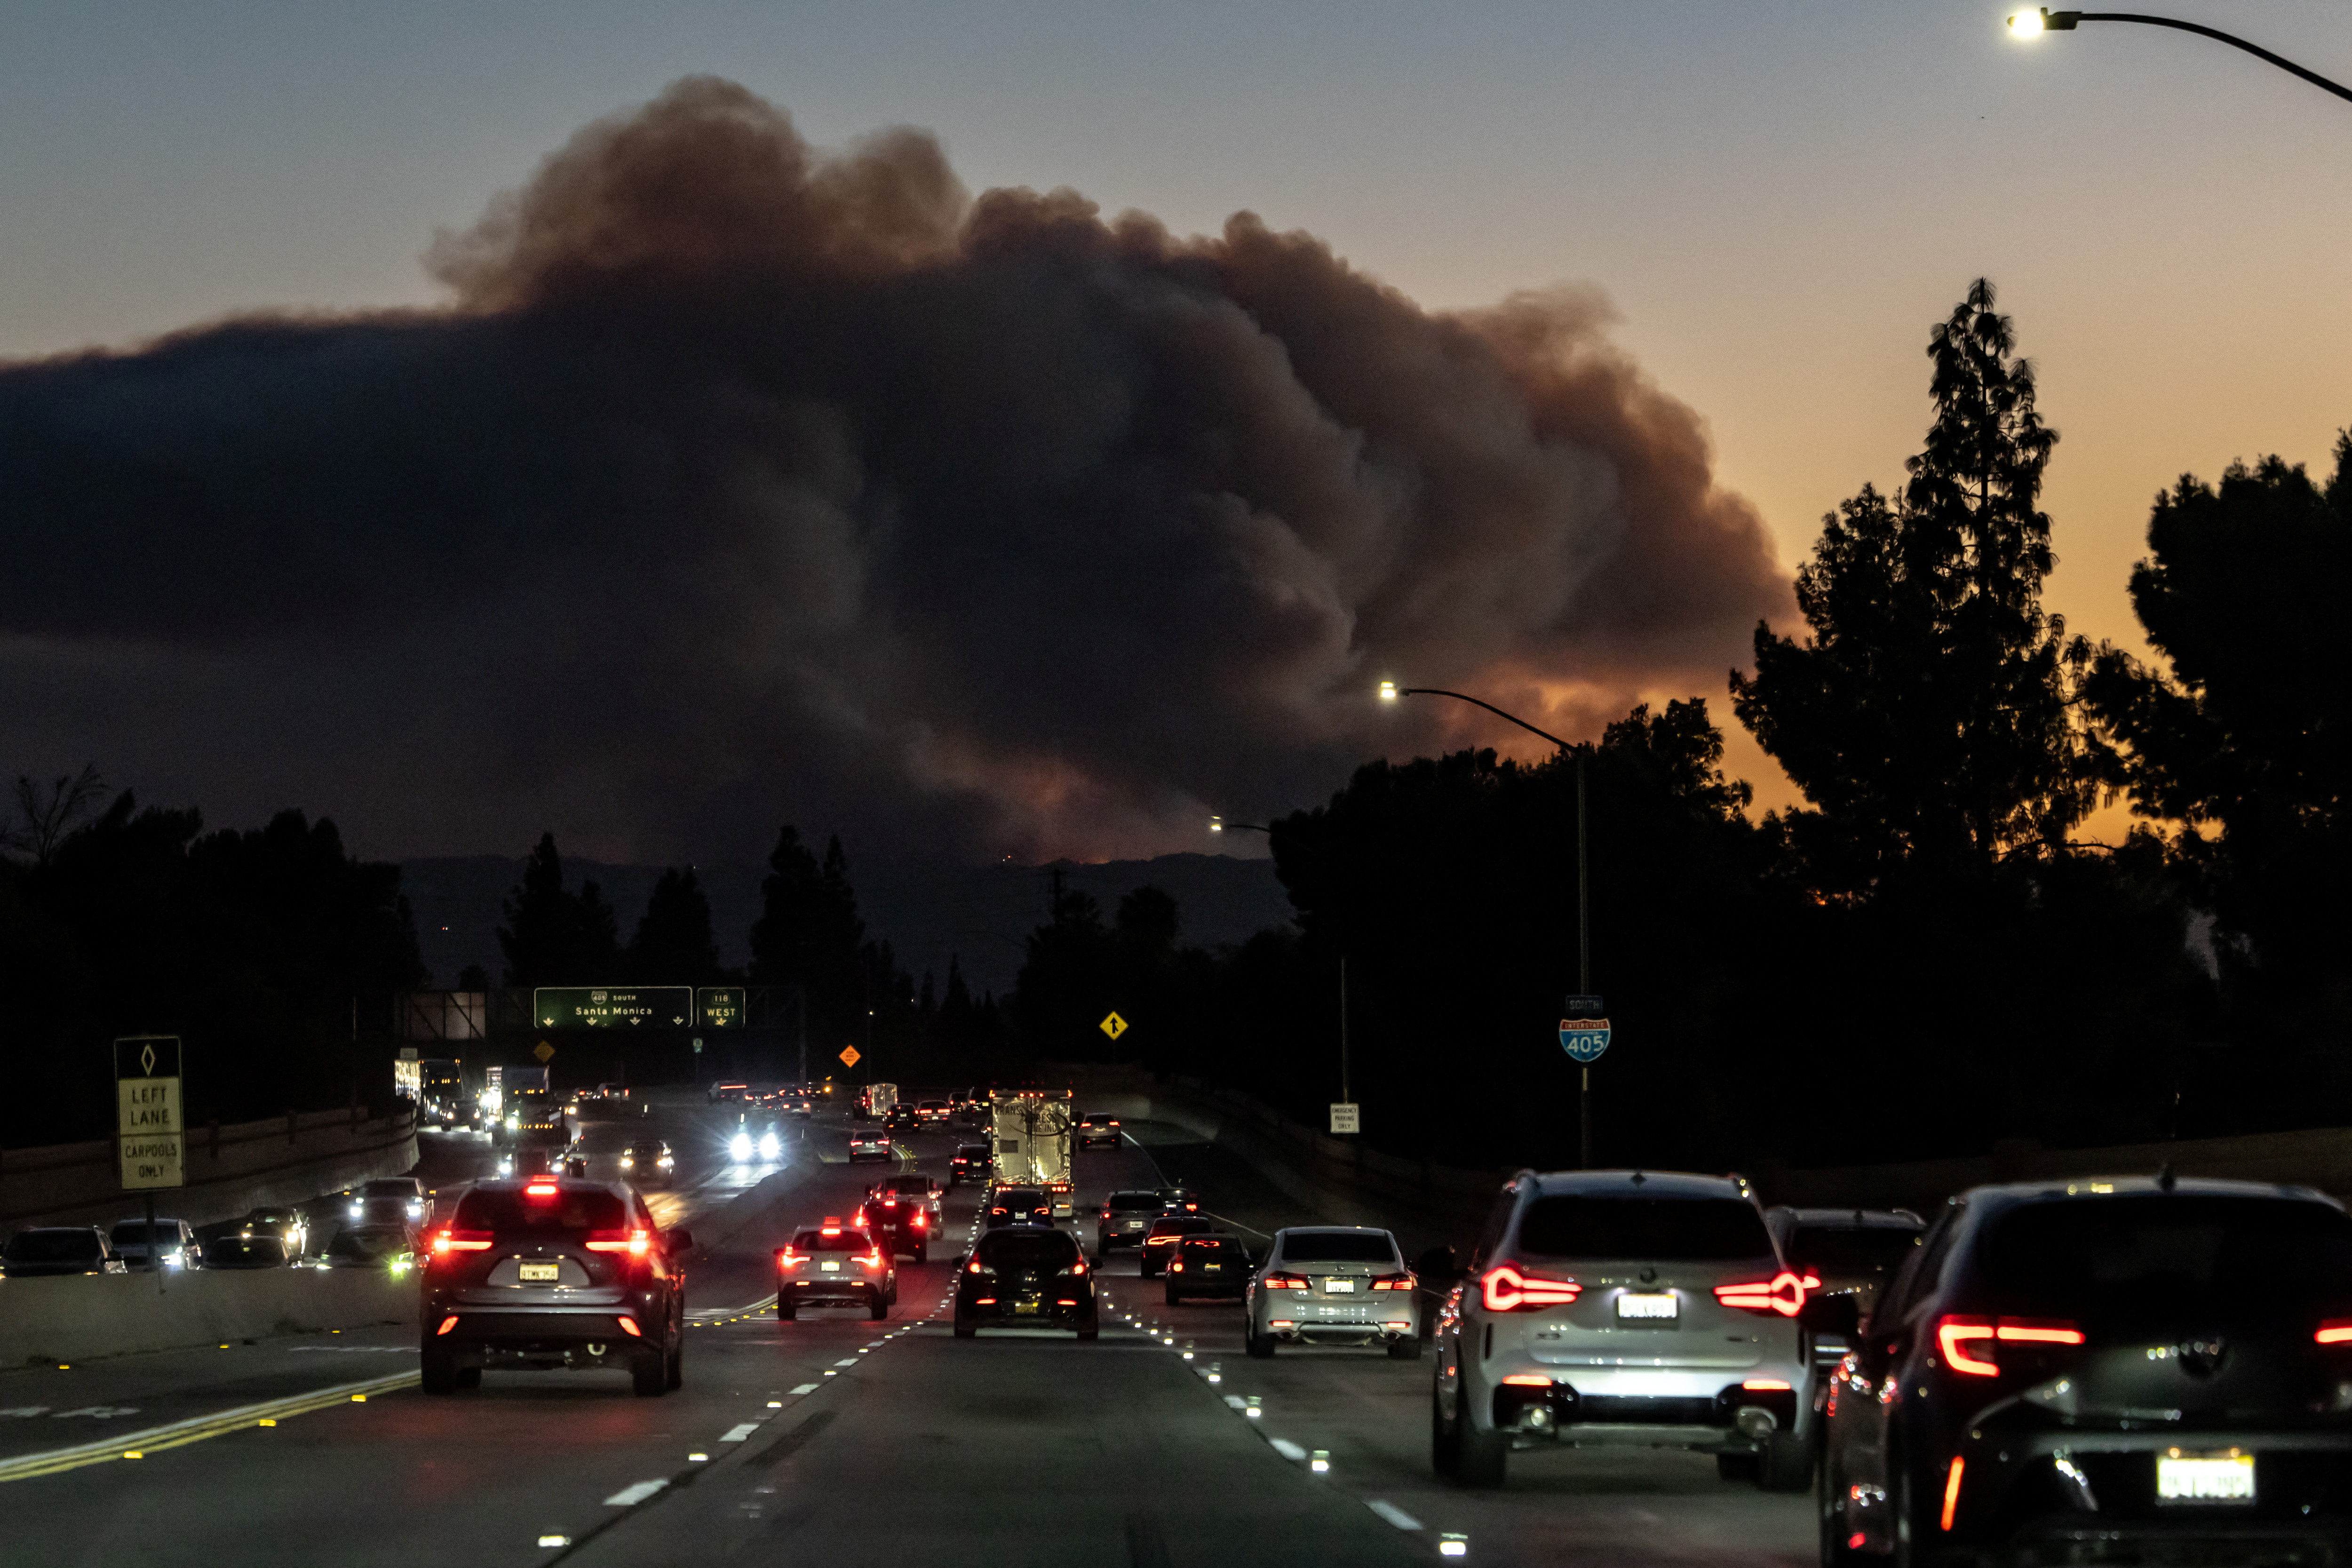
x=901, y=1118
x=1018, y=1205
x=2110, y=1371
x=235, y=1251
x=58, y=1249
x=835, y=1265
x=1023, y=1275
x=1159, y=1241
x=1098, y=1127
x=1207, y=1266
x=972, y=1163
x=1179, y=1200
x=551, y=1272
x=900, y=1225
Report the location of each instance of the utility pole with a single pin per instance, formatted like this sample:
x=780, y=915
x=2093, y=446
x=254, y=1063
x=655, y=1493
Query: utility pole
x=1583, y=969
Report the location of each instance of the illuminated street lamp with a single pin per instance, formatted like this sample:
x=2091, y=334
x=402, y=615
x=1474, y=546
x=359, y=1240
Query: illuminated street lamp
x=1389, y=692
x=2033, y=24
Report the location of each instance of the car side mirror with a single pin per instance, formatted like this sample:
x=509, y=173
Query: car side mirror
x=1438, y=1268
x=679, y=1240
x=1837, y=1314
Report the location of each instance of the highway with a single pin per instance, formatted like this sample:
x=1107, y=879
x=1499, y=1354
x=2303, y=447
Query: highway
x=834, y=1438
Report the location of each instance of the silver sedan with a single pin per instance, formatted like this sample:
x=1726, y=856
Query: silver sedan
x=1345, y=1285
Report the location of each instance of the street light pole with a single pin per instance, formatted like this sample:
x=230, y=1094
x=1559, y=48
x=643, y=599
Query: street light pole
x=1389, y=692
x=2033, y=24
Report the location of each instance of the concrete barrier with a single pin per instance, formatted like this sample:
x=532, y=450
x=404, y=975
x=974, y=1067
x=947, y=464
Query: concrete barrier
x=82, y=1318
x=231, y=1169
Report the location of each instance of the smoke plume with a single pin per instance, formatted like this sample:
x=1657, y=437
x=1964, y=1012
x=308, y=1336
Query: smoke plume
x=741, y=482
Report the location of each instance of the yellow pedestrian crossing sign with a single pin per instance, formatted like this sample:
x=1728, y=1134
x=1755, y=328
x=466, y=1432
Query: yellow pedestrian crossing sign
x=850, y=1055
x=1114, y=1025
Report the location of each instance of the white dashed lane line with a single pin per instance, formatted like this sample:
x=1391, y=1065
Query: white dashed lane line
x=1287, y=1448
x=806, y=1388
x=630, y=1496
x=738, y=1434
x=851, y=1362
x=1392, y=1513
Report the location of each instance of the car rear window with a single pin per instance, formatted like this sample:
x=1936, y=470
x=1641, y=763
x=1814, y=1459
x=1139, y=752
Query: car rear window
x=2085, y=1256
x=1338, y=1247
x=847, y=1240
x=1211, y=1244
x=1133, y=1201
x=1026, y=1248
x=1664, y=1230
x=1851, y=1248
x=51, y=1246
x=572, y=1209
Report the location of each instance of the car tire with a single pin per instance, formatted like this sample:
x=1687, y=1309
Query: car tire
x=1091, y=1332
x=964, y=1331
x=1786, y=1463
x=1259, y=1347
x=674, y=1364
x=1739, y=1468
x=787, y=1311
x=649, y=1376
x=469, y=1377
x=1484, y=1458
x=1444, y=1442
x=1406, y=1349
x=1173, y=1299
x=876, y=1307
x=437, y=1371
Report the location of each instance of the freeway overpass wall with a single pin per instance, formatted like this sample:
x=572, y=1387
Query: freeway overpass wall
x=45, y=1321
x=285, y=1158
x=1343, y=1181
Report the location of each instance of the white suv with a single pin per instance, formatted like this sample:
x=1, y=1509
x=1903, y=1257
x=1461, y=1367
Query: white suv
x=1629, y=1308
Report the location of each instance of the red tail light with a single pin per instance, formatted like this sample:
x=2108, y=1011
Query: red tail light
x=920, y=1222
x=446, y=1324
x=788, y=1260
x=446, y=1242
x=1505, y=1290
x=629, y=1327
x=1528, y=1380
x=636, y=1242
x=1080, y=1266
x=1968, y=1343
x=540, y=1189
x=974, y=1267
x=2335, y=1331
x=1176, y=1266
x=1392, y=1282
x=1285, y=1282
x=1783, y=1293
x=872, y=1259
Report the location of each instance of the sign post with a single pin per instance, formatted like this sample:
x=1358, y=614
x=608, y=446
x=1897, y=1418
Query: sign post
x=150, y=1124
x=1584, y=1036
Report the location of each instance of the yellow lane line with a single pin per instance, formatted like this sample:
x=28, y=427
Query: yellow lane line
x=154, y=1439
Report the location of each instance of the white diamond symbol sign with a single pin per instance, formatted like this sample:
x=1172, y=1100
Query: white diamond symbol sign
x=147, y=1059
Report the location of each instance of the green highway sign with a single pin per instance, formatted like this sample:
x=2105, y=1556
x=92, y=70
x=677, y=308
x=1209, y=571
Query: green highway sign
x=721, y=1006
x=613, y=1006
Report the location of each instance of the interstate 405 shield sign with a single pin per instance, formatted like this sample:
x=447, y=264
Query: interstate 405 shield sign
x=1584, y=1038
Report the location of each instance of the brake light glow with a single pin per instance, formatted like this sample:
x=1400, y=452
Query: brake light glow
x=446, y=1242
x=920, y=1222
x=1285, y=1282
x=1952, y=1491
x=872, y=1259
x=635, y=1243
x=1392, y=1282
x=1528, y=1380
x=1964, y=1341
x=2335, y=1331
x=446, y=1324
x=1158, y=1240
x=2040, y=1331
x=1505, y=1290
x=629, y=1327
x=1765, y=1385
x=539, y=1189
x=1783, y=1293
x=787, y=1260
x=1080, y=1266
x=974, y=1267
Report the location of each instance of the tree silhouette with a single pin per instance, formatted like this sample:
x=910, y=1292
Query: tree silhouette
x=809, y=935
x=553, y=937
x=1927, y=719
x=673, y=944
x=43, y=819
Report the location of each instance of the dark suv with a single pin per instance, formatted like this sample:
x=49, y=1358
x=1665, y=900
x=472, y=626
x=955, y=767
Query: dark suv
x=2113, y=1370
x=1025, y=1274
x=1208, y=1266
x=1018, y=1205
x=973, y=1162
x=553, y=1272
x=1124, y=1218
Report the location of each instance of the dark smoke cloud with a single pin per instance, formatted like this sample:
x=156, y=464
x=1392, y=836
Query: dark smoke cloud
x=742, y=482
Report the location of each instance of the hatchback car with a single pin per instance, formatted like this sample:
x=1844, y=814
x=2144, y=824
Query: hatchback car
x=1098, y=1127
x=174, y=1244
x=50, y=1249
x=1345, y=1285
x=1124, y=1216
x=835, y=1265
x=1631, y=1307
x=972, y=1163
x=549, y=1272
x=868, y=1143
x=1207, y=1266
x=1024, y=1276
x=2129, y=1370
x=1159, y=1241
x=1018, y=1205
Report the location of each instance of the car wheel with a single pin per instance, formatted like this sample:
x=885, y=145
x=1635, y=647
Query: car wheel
x=1406, y=1349
x=876, y=1307
x=1173, y=1299
x=1485, y=1457
x=787, y=1311
x=437, y=1371
x=649, y=1376
x=1738, y=1467
x=469, y=1377
x=1259, y=1346
x=1091, y=1332
x=674, y=1369
x=1444, y=1438
x=964, y=1331
x=1786, y=1463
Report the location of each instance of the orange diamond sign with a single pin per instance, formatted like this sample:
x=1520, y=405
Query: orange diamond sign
x=850, y=1055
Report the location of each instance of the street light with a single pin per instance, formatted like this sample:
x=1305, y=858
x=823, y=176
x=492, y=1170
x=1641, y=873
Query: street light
x=1389, y=692
x=2033, y=24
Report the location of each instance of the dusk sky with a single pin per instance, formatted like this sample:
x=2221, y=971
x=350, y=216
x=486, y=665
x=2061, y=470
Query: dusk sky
x=1777, y=199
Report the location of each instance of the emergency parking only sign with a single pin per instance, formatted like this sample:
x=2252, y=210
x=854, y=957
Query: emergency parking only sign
x=151, y=1130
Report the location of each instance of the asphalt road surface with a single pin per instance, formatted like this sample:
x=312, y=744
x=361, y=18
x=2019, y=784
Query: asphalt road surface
x=834, y=1439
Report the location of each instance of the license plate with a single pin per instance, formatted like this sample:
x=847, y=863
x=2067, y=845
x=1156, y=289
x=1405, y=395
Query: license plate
x=1212, y=1268
x=828, y=1268
x=539, y=1273
x=1339, y=1287
x=1028, y=1307
x=2205, y=1478
x=1647, y=1305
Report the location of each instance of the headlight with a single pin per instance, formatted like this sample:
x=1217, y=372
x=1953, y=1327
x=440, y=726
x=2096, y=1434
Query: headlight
x=416, y=1211
x=512, y=1123
x=740, y=1146
x=665, y=1161
x=628, y=1162
x=769, y=1147
x=359, y=1211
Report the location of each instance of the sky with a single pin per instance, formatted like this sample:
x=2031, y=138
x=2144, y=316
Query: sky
x=1776, y=199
